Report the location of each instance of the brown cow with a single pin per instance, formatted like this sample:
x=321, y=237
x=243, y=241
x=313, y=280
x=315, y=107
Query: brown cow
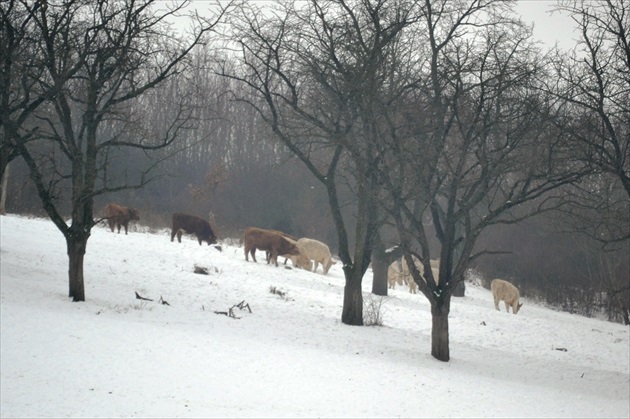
x=117, y=215
x=191, y=224
x=269, y=241
x=301, y=261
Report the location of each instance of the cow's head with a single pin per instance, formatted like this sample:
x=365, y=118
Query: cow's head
x=134, y=214
x=328, y=265
x=211, y=238
x=304, y=262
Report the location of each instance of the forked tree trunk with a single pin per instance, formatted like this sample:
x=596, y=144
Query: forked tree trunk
x=439, y=331
x=76, y=252
x=352, y=313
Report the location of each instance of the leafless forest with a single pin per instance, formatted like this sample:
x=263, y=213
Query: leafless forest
x=438, y=126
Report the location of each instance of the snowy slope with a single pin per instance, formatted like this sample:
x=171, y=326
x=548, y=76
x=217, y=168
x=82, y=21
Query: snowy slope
x=116, y=356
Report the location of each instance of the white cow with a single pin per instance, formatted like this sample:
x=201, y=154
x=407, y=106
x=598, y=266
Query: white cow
x=318, y=252
x=399, y=273
x=396, y=274
x=503, y=290
x=301, y=260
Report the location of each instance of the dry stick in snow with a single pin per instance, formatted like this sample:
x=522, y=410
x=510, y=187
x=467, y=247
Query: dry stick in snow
x=230, y=313
x=142, y=298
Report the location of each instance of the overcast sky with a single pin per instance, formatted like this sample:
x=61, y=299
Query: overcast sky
x=548, y=27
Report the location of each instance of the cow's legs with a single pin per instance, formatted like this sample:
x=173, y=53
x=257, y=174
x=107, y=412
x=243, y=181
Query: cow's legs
x=274, y=258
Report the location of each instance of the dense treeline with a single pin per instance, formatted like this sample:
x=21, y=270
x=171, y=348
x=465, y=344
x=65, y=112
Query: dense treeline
x=224, y=160
x=226, y=164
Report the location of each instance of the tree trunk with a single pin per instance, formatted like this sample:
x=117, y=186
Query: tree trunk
x=460, y=289
x=3, y=193
x=439, y=331
x=625, y=313
x=352, y=313
x=379, y=271
x=381, y=259
x=379, y=267
x=76, y=253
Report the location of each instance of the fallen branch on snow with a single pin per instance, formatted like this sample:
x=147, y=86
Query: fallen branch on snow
x=138, y=297
x=230, y=313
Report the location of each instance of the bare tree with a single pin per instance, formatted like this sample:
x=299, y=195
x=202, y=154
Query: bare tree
x=318, y=73
x=99, y=58
x=20, y=95
x=474, y=144
x=592, y=83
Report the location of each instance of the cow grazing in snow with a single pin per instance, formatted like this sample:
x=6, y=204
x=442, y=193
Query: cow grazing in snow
x=117, y=215
x=191, y=224
x=301, y=261
x=395, y=274
x=503, y=290
x=318, y=252
x=269, y=241
x=399, y=273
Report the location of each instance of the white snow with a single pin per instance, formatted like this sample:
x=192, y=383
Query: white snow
x=116, y=356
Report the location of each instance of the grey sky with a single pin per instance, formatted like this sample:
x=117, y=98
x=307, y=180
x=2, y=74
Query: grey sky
x=549, y=28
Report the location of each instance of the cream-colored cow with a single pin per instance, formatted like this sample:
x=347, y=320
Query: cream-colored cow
x=399, y=273
x=503, y=290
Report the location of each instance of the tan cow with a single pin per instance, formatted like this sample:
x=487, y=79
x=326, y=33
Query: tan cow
x=117, y=215
x=503, y=290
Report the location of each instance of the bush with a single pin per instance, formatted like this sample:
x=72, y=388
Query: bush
x=373, y=310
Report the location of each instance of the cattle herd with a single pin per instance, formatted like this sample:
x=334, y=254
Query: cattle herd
x=303, y=252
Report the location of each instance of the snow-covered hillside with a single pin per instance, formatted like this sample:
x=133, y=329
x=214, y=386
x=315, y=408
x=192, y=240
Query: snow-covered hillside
x=116, y=356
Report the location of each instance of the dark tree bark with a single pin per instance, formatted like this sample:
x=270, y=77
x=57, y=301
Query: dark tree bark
x=4, y=182
x=352, y=312
x=381, y=259
x=440, y=347
x=380, y=263
x=460, y=289
x=76, y=254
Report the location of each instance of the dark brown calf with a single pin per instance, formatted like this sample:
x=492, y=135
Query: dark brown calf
x=269, y=241
x=117, y=215
x=191, y=224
